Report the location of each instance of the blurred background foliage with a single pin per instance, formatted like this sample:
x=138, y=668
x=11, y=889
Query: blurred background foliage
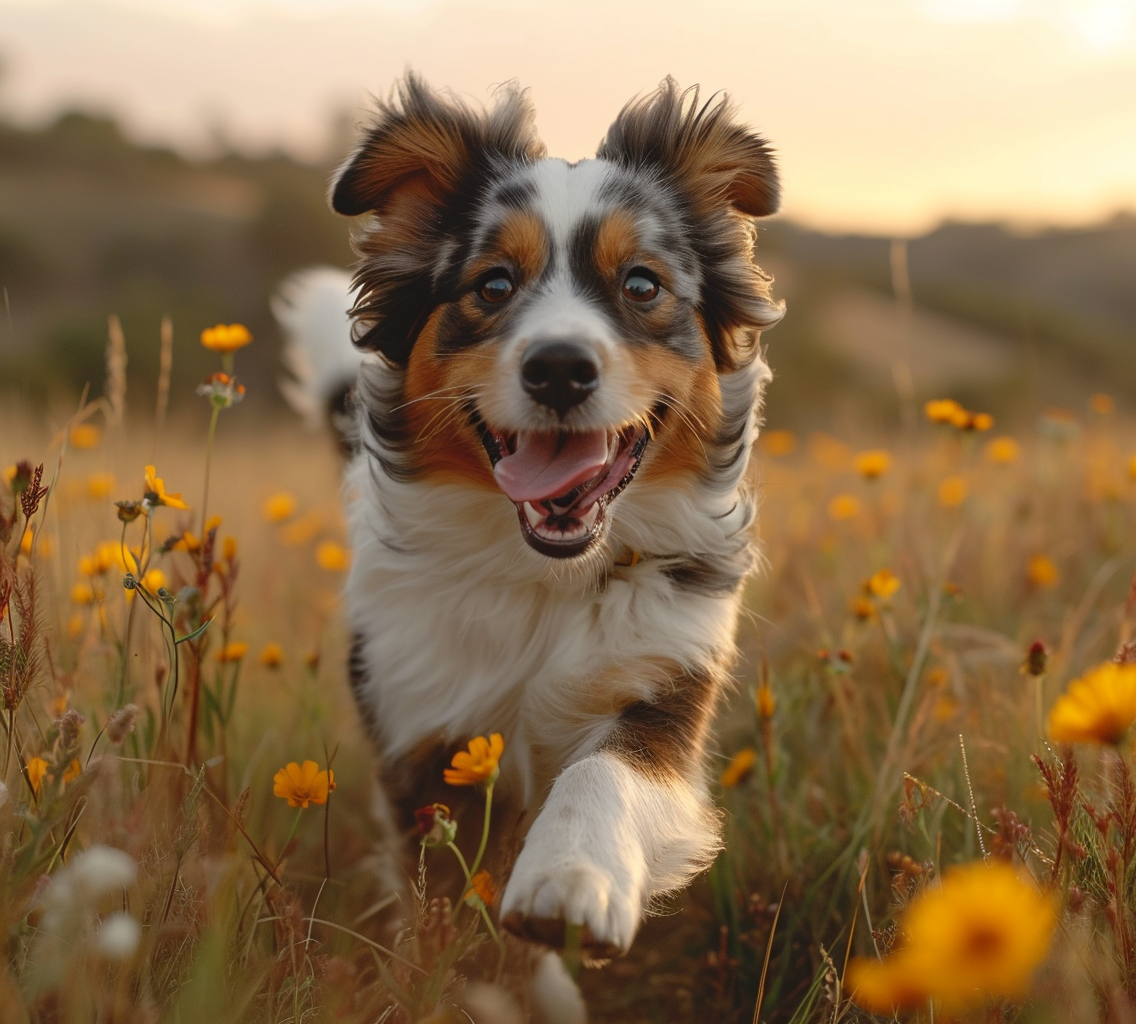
x=93, y=224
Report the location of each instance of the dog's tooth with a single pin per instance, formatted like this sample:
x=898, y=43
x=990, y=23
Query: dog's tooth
x=589, y=518
x=534, y=517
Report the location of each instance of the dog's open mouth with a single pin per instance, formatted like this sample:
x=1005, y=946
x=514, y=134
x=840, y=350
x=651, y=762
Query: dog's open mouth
x=563, y=481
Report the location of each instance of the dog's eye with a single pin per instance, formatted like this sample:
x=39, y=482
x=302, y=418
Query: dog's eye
x=641, y=285
x=496, y=287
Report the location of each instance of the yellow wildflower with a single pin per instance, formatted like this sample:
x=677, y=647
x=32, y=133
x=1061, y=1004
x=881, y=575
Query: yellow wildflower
x=272, y=655
x=952, y=492
x=155, y=491
x=1041, y=572
x=229, y=548
x=1097, y=708
x=862, y=608
x=233, y=651
x=943, y=410
x=843, y=507
x=1102, y=404
x=778, y=443
x=980, y=421
x=8, y=475
x=829, y=452
x=980, y=935
x=27, y=538
x=882, y=584
x=279, y=507
x=100, y=485
x=82, y=593
x=483, y=887
x=1002, y=451
x=741, y=764
x=36, y=769
x=225, y=338
x=84, y=435
x=187, y=542
x=332, y=557
x=872, y=464
x=479, y=764
x=304, y=784
x=302, y=530
x=74, y=770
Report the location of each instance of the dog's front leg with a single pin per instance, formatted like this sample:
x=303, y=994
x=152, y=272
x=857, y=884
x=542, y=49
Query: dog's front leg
x=620, y=827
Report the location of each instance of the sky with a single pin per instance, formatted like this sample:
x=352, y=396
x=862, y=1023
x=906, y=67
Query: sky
x=886, y=115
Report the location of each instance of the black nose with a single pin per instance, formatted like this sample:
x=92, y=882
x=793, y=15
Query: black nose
x=559, y=374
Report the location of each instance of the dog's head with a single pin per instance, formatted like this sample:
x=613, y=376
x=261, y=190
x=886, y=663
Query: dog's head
x=560, y=327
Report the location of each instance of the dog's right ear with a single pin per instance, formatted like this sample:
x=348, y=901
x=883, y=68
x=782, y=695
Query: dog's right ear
x=424, y=155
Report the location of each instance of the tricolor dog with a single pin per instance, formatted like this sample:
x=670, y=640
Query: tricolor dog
x=556, y=382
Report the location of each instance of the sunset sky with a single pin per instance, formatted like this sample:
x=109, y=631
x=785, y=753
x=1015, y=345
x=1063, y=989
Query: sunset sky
x=887, y=115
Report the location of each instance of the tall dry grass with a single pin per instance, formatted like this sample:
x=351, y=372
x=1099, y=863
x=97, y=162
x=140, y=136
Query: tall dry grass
x=885, y=730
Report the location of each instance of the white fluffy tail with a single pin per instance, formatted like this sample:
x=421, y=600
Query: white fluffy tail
x=312, y=306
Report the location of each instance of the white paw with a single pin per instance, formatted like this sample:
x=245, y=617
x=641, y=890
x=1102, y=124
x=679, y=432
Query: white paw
x=565, y=877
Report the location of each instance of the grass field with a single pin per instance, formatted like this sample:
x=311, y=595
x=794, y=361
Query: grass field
x=883, y=731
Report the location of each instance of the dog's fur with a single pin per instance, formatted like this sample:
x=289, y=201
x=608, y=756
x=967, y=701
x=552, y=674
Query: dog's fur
x=596, y=643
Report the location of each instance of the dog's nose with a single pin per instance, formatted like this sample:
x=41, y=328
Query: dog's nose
x=559, y=374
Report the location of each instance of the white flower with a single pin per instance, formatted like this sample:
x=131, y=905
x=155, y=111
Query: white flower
x=118, y=936
x=101, y=870
x=76, y=889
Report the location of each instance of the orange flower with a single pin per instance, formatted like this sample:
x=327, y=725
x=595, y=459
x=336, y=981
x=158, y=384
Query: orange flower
x=483, y=888
x=233, y=651
x=225, y=338
x=1100, y=707
x=279, y=507
x=882, y=584
x=1041, y=572
x=155, y=491
x=1002, y=451
x=478, y=765
x=943, y=410
x=99, y=485
x=84, y=435
x=778, y=443
x=1102, y=404
x=843, y=507
x=36, y=769
x=741, y=764
x=272, y=656
x=332, y=557
x=979, y=935
x=304, y=784
x=872, y=464
x=952, y=492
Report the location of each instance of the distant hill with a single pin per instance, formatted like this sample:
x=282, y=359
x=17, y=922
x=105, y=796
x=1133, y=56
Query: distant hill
x=91, y=223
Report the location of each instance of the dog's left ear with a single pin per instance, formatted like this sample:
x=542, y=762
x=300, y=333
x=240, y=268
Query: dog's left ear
x=701, y=148
x=722, y=175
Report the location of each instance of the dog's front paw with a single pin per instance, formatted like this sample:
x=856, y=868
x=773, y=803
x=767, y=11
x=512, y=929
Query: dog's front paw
x=555, y=884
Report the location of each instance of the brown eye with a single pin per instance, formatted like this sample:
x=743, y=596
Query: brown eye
x=497, y=287
x=640, y=285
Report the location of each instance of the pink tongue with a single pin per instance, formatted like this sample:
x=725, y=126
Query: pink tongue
x=546, y=465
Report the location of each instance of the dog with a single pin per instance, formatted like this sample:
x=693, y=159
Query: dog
x=555, y=385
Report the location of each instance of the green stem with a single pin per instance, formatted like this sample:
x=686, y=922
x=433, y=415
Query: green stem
x=461, y=861
x=484, y=831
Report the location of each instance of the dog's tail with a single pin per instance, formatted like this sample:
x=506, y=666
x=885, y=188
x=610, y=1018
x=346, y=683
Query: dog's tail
x=311, y=306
